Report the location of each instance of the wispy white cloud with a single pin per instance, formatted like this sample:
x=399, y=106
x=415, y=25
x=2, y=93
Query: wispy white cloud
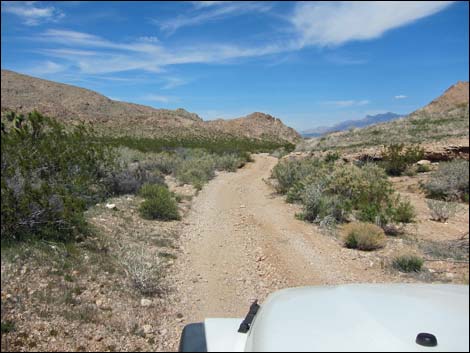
x=202, y=4
x=212, y=11
x=173, y=82
x=149, y=39
x=138, y=55
x=401, y=96
x=159, y=98
x=44, y=68
x=213, y=114
x=31, y=12
x=347, y=103
x=314, y=24
x=67, y=52
x=341, y=59
x=334, y=23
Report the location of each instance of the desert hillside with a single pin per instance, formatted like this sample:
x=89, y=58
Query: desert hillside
x=22, y=93
x=455, y=97
x=443, y=122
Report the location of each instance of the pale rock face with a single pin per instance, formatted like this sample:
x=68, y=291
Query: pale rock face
x=145, y=302
x=147, y=329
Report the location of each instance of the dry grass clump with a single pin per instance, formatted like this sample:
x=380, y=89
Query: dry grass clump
x=363, y=236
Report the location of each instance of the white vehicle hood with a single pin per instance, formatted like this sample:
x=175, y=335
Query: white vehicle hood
x=361, y=318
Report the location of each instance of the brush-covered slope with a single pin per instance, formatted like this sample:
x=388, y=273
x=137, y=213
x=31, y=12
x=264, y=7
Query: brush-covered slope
x=444, y=119
x=22, y=93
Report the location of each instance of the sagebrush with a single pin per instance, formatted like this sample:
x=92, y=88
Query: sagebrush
x=335, y=190
x=441, y=211
x=450, y=182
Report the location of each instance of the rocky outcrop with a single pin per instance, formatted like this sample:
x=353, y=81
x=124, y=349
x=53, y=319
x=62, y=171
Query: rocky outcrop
x=434, y=152
x=454, y=97
x=256, y=125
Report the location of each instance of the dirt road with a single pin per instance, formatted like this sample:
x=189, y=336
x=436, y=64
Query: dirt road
x=241, y=242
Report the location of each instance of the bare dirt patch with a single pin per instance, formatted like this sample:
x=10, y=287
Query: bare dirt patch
x=88, y=296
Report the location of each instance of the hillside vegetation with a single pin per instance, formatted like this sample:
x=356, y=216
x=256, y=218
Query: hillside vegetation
x=70, y=104
x=51, y=174
x=447, y=117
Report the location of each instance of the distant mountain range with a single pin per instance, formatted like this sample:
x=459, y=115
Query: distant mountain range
x=442, y=122
x=348, y=124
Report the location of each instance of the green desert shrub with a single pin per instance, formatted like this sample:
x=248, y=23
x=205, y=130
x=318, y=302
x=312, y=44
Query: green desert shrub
x=397, y=159
x=363, y=186
x=229, y=162
x=295, y=192
x=279, y=152
x=391, y=210
x=318, y=206
x=50, y=175
x=287, y=174
x=194, y=166
x=332, y=156
x=337, y=190
x=291, y=171
x=158, y=204
x=7, y=326
x=411, y=171
x=408, y=263
x=404, y=212
x=129, y=179
x=363, y=236
x=165, y=162
x=219, y=145
x=197, y=171
x=449, y=182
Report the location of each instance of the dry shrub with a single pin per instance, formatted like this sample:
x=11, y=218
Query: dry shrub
x=441, y=211
x=144, y=270
x=450, y=182
x=363, y=236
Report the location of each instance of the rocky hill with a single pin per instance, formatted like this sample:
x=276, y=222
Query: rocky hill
x=22, y=93
x=255, y=125
x=457, y=96
x=444, y=121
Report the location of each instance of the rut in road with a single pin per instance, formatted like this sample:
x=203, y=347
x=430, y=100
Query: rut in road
x=242, y=242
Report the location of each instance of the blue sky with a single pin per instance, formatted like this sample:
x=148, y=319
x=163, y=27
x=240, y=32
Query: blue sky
x=307, y=63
